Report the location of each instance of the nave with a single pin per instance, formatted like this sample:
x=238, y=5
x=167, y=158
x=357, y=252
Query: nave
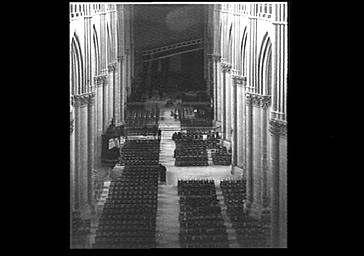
x=195, y=207
x=178, y=125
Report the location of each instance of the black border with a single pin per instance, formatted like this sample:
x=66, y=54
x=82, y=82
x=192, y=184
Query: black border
x=312, y=133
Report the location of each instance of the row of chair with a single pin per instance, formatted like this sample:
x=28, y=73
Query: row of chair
x=185, y=154
x=140, y=153
x=138, y=162
x=136, y=123
x=192, y=162
x=234, y=188
x=145, y=131
x=201, y=222
x=196, y=190
x=141, y=142
x=221, y=156
x=194, y=122
x=80, y=227
x=250, y=232
x=141, y=114
x=129, y=215
x=195, y=135
x=179, y=152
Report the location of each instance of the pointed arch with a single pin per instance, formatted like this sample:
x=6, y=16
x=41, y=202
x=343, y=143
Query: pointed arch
x=243, y=52
x=221, y=39
x=229, y=44
x=108, y=44
x=77, y=79
x=265, y=66
x=96, y=60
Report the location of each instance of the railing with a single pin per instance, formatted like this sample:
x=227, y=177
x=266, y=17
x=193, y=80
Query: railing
x=82, y=10
x=173, y=46
x=262, y=10
x=265, y=11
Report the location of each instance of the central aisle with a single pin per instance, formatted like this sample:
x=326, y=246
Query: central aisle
x=167, y=224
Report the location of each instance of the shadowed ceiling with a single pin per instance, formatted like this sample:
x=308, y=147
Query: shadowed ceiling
x=159, y=25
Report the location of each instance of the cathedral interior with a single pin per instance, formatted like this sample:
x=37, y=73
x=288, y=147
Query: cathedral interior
x=178, y=125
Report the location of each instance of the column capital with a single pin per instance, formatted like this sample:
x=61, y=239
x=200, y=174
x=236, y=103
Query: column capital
x=248, y=99
x=103, y=72
x=83, y=99
x=214, y=56
x=264, y=101
x=226, y=67
x=72, y=119
x=278, y=127
x=252, y=99
x=234, y=71
x=111, y=68
x=72, y=125
x=239, y=80
x=98, y=80
x=257, y=100
x=76, y=102
x=91, y=98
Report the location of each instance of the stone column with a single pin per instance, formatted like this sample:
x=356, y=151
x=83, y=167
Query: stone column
x=100, y=80
x=219, y=78
x=90, y=146
x=121, y=87
x=77, y=134
x=214, y=83
x=218, y=87
x=84, y=152
x=210, y=82
x=117, y=92
x=223, y=102
x=234, y=105
x=257, y=156
x=243, y=127
x=277, y=128
x=226, y=105
x=127, y=74
x=265, y=103
x=111, y=70
x=215, y=89
x=239, y=116
x=105, y=102
x=228, y=102
x=72, y=160
x=249, y=149
x=239, y=83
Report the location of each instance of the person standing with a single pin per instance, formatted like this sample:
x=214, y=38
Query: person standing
x=162, y=173
x=159, y=134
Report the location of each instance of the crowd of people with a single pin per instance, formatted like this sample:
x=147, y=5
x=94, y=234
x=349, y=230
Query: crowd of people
x=201, y=222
